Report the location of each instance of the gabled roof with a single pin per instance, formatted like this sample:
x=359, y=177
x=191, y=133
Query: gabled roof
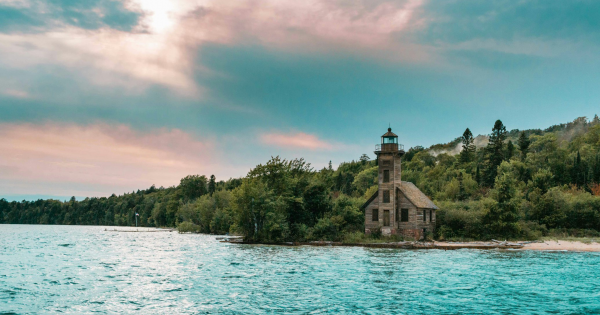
x=366, y=204
x=416, y=196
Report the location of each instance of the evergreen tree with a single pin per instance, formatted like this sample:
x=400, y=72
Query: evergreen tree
x=502, y=218
x=330, y=167
x=510, y=150
x=596, y=170
x=364, y=159
x=596, y=120
x=468, y=148
x=478, y=176
x=494, y=152
x=523, y=145
x=577, y=176
x=212, y=185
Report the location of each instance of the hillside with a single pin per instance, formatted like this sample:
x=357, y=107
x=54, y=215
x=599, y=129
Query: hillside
x=514, y=184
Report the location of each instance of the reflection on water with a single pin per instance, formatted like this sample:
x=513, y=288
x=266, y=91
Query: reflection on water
x=79, y=270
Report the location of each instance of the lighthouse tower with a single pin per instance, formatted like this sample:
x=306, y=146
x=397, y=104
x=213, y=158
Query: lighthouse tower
x=397, y=207
x=389, y=154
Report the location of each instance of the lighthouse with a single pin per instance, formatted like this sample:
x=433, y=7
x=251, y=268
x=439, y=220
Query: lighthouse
x=397, y=207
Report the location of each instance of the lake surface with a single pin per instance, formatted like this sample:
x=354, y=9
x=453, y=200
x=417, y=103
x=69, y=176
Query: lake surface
x=84, y=270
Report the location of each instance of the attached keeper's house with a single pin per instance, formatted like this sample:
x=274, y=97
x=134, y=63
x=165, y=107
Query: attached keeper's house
x=397, y=207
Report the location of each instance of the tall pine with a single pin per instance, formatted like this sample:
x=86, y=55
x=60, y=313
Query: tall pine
x=494, y=153
x=502, y=218
x=523, y=145
x=212, y=185
x=468, y=148
x=510, y=150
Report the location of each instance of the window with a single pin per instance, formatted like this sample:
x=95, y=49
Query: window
x=424, y=215
x=387, y=140
x=404, y=217
x=386, y=196
x=386, y=176
x=375, y=215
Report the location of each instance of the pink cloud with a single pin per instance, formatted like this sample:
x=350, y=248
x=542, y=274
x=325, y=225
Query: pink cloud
x=162, y=49
x=296, y=141
x=98, y=159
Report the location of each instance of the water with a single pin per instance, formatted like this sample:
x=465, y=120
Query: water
x=84, y=270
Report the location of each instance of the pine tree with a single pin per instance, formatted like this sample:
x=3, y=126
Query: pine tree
x=596, y=171
x=468, y=148
x=478, y=176
x=364, y=159
x=596, y=120
x=494, y=152
x=330, y=167
x=502, y=218
x=578, y=172
x=212, y=185
x=510, y=150
x=523, y=145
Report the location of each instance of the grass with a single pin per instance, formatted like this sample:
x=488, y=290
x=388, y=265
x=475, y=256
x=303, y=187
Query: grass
x=360, y=237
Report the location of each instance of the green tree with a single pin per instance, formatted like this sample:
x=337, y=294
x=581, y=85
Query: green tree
x=364, y=159
x=212, y=185
x=502, y=217
x=510, y=150
x=542, y=180
x=260, y=214
x=494, y=153
x=468, y=147
x=462, y=195
x=193, y=186
x=523, y=145
x=365, y=179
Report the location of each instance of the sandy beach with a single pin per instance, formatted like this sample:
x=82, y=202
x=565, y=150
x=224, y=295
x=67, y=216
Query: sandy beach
x=545, y=245
x=564, y=245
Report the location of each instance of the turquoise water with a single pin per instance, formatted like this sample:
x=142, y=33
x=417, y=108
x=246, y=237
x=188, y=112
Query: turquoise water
x=84, y=270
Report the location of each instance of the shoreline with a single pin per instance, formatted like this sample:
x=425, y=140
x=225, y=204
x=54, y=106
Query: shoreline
x=571, y=246
x=558, y=245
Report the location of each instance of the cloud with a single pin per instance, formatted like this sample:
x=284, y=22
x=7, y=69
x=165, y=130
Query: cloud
x=98, y=159
x=139, y=43
x=38, y=16
x=295, y=141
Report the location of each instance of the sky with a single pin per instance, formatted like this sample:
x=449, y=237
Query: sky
x=102, y=96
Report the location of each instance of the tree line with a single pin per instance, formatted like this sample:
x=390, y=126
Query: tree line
x=513, y=184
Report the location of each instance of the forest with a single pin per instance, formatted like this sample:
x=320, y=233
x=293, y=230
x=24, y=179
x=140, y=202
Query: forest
x=517, y=184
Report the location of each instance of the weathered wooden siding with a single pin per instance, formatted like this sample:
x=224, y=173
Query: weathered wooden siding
x=415, y=225
x=369, y=224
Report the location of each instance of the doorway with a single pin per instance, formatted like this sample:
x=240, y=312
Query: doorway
x=386, y=217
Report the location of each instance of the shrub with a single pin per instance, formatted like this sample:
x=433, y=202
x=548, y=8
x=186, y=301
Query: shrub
x=188, y=227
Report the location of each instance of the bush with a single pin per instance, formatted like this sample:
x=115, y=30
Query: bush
x=188, y=227
x=531, y=230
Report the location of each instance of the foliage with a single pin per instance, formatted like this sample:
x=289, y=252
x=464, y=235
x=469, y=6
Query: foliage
x=468, y=147
x=549, y=187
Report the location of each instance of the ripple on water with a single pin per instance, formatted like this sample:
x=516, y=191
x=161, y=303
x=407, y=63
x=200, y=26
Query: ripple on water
x=93, y=271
